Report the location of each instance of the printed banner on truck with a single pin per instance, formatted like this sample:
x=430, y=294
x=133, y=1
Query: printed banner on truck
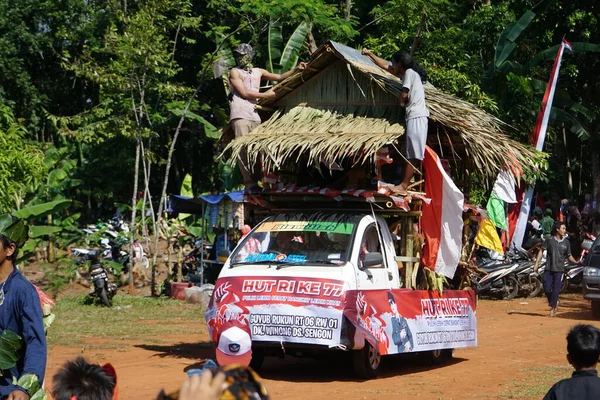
x=403, y=320
x=288, y=309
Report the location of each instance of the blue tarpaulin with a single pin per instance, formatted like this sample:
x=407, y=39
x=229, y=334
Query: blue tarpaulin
x=194, y=205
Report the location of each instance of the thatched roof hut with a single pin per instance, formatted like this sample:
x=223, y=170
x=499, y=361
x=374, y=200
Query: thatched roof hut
x=344, y=106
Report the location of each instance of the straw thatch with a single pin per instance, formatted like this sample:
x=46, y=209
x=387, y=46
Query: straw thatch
x=343, y=105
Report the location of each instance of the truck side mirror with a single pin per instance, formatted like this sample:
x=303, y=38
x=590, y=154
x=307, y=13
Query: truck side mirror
x=374, y=259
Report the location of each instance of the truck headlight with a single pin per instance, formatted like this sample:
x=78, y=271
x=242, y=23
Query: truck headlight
x=591, y=271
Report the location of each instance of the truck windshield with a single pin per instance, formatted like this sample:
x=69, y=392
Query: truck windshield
x=296, y=242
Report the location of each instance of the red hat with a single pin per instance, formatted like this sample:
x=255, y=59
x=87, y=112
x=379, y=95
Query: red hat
x=234, y=344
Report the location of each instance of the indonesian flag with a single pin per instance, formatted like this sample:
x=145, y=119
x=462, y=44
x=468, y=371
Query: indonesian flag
x=537, y=140
x=441, y=222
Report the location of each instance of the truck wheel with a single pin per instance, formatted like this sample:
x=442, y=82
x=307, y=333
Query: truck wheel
x=433, y=357
x=596, y=308
x=448, y=354
x=257, y=360
x=367, y=362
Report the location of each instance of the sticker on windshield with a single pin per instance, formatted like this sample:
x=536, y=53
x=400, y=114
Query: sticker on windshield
x=307, y=226
x=281, y=258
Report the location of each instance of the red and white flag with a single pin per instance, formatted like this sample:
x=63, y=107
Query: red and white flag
x=537, y=140
x=441, y=221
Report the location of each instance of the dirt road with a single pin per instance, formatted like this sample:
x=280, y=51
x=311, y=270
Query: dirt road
x=521, y=353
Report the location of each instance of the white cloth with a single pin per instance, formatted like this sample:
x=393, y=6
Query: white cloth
x=416, y=106
x=504, y=187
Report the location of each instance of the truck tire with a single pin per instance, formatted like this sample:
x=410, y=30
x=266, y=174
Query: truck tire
x=367, y=362
x=433, y=357
x=596, y=308
x=258, y=358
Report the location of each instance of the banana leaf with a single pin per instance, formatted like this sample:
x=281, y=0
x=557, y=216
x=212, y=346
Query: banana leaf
x=36, y=231
x=15, y=231
x=274, y=44
x=290, y=54
x=550, y=54
x=558, y=115
x=506, y=42
x=39, y=210
x=10, y=346
x=210, y=130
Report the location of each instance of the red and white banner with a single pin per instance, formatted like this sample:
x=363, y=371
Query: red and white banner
x=537, y=140
x=404, y=320
x=441, y=221
x=280, y=309
x=312, y=311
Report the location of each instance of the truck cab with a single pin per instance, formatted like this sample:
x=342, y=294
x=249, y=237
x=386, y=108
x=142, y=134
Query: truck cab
x=309, y=282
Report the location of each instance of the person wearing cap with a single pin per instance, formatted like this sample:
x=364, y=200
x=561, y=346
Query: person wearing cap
x=547, y=223
x=20, y=311
x=245, y=80
x=234, y=344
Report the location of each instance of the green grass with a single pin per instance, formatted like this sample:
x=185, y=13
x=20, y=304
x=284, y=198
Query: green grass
x=79, y=322
x=535, y=382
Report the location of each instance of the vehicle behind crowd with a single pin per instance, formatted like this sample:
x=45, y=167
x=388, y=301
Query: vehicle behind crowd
x=591, y=277
x=100, y=286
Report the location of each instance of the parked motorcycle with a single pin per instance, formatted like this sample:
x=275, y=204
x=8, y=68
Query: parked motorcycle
x=101, y=287
x=530, y=282
x=573, y=276
x=499, y=281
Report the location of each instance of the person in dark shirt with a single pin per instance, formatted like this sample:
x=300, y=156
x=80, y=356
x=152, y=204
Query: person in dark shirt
x=20, y=312
x=558, y=251
x=583, y=351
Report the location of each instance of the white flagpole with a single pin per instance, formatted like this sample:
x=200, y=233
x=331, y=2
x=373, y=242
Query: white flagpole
x=538, y=139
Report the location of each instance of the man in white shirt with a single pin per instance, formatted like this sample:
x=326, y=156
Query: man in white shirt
x=413, y=98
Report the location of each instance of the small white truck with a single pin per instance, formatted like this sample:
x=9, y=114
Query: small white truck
x=312, y=281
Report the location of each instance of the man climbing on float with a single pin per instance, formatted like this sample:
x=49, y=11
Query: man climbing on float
x=417, y=114
x=245, y=91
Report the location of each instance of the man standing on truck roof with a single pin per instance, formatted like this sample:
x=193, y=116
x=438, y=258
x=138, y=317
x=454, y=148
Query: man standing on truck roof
x=245, y=91
x=413, y=98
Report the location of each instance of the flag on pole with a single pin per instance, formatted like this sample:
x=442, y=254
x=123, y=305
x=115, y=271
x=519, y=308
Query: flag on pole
x=487, y=236
x=441, y=221
x=537, y=140
x=495, y=212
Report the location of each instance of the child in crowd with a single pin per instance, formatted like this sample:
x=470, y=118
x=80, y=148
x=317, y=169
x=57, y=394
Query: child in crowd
x=80, y=380
x=583, y=351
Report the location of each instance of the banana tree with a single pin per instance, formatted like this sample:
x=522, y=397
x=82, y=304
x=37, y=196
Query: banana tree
x=48, y=200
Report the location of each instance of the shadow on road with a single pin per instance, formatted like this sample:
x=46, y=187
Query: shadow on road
x=338, y=367
x=192, y=351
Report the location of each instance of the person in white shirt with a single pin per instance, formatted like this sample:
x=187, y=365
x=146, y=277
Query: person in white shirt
x=413, y=98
